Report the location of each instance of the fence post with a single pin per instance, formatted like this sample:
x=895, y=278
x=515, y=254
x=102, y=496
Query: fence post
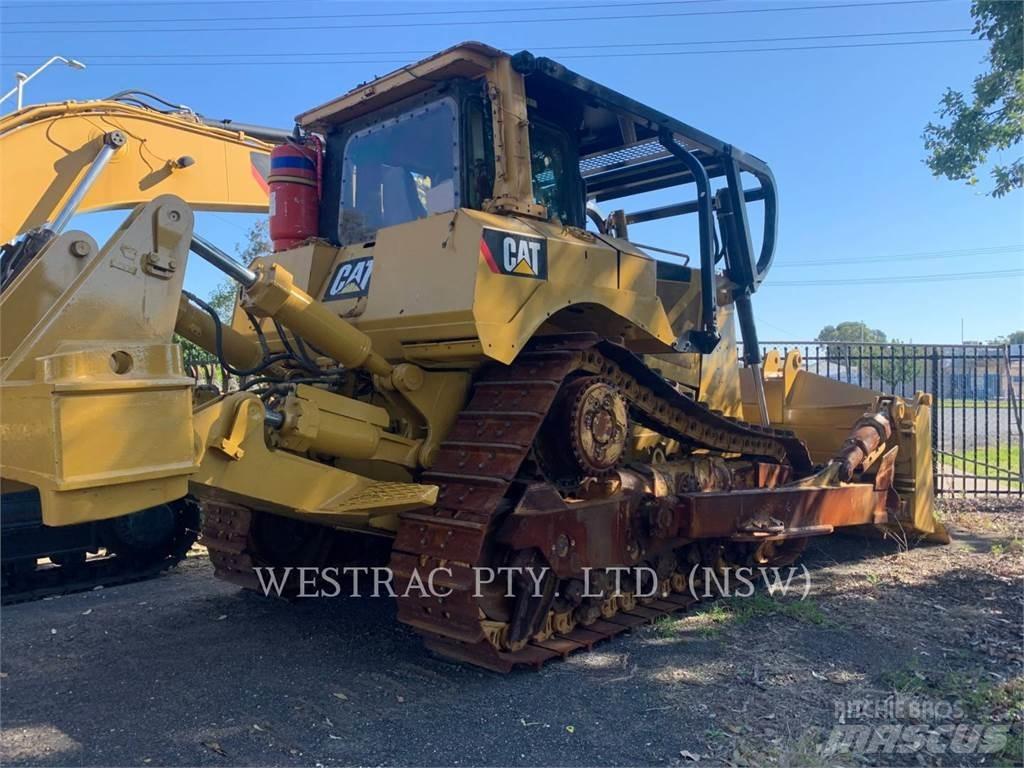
x=935, y=420
x=1015, y=405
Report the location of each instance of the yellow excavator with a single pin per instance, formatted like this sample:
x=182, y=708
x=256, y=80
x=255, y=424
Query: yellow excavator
x=453, y=363
x=62, y=159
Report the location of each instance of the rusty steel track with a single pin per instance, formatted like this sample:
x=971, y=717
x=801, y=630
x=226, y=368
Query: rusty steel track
x=238, y=541
x=226, y=536
x=477, y=467
x=478, y=470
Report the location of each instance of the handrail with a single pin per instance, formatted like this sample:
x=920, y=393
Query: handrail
x=705, y=339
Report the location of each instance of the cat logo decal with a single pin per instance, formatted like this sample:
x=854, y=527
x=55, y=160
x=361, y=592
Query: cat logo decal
x=516, y=255
x=351, y=279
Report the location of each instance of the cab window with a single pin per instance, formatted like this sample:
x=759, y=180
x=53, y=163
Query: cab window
x=555, y=182
x=398, y=170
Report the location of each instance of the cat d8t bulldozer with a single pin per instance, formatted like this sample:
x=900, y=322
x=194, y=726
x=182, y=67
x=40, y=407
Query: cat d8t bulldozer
x=455, y=363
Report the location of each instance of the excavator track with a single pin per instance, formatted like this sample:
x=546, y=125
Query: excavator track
x=33, y=580
x=478, y=466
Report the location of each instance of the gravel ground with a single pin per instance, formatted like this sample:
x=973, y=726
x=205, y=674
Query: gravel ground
x=187, y=670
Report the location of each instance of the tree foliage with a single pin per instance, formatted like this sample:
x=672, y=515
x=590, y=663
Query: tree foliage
x=871, y=350
x=1016, y=337
x=851, y=331
x=991, y=118
x=257, y=244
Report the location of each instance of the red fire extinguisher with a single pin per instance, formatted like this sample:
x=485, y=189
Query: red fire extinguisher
x=294, y=182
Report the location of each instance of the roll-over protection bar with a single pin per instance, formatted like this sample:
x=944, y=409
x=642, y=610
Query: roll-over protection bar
x=682, y=154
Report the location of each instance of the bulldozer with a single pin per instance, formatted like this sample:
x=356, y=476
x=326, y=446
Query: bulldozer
x=62, y=159
x=453, y=364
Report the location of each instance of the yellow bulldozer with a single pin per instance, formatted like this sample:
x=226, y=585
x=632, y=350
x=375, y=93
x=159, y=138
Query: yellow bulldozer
x=453, y=364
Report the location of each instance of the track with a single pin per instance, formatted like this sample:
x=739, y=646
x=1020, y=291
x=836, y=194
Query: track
x=30, y=579
x=477, y=469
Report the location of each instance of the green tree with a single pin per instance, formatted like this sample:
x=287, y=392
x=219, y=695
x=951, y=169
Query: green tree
x=1016, y=337
x=257, y=244
x=851, y=331
x=992, y=117
x=870, y=349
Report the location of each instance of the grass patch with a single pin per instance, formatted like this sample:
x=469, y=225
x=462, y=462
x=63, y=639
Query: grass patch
x=989, y=702
x=666, y=626
x=1013, y=547
x=1002, y=462
x=758, y=606
x=737, y=611
x=904, y=681
x=970, y=405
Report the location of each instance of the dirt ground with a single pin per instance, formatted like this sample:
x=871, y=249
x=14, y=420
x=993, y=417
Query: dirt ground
x=895, y=658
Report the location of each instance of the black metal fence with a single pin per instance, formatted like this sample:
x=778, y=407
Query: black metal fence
x=976, y=416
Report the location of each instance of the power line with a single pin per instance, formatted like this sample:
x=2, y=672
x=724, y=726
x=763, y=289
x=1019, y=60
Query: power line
x=313, y=17
x=900, y=279
x=449, y=23
x=768, y=50
x=279, y=62
x=997, y=250
x=182, y=3
x=276, y=56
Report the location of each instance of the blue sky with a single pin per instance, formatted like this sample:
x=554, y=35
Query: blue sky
x=840, y=127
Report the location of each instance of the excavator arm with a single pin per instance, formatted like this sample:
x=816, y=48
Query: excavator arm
x=75, y=157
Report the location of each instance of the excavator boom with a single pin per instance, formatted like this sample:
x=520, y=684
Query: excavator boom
x=46, y=150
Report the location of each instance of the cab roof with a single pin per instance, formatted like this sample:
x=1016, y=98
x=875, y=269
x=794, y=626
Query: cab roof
x=621, y=141
x=468, y=60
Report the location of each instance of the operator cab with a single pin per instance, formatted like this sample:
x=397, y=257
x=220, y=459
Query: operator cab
x=455, y=131
x=434, y=152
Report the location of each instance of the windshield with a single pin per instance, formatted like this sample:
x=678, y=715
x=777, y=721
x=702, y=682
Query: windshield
x=399, y=170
